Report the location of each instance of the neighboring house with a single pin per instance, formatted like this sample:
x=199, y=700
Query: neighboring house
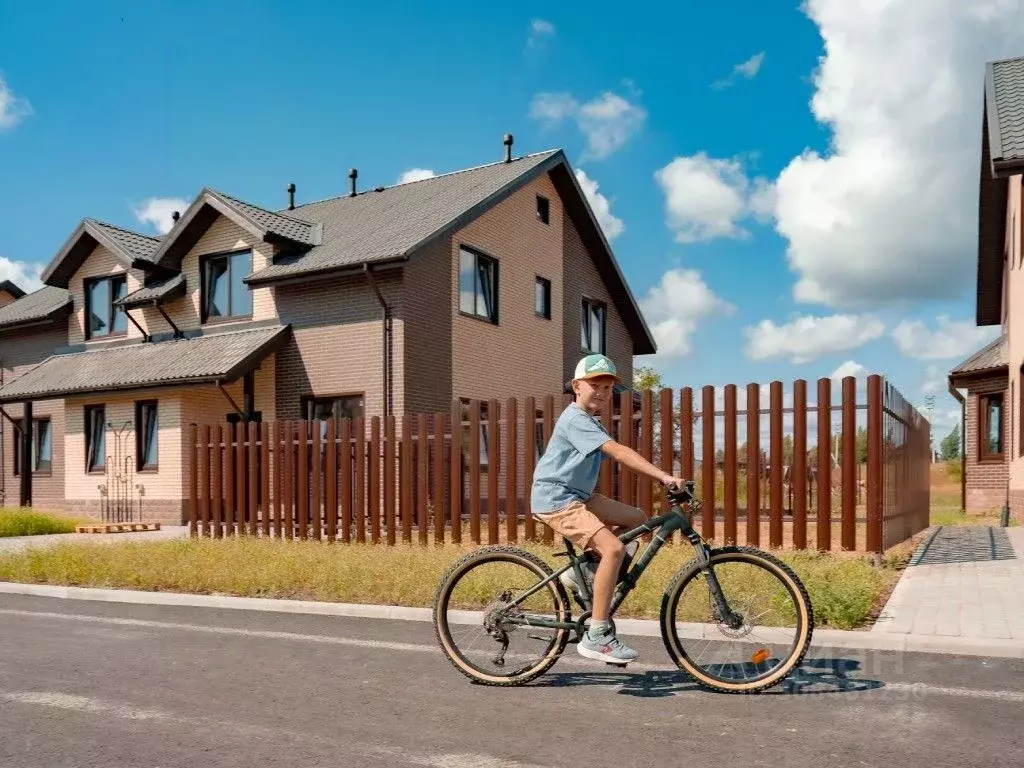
x=483, y=283
x=993, y=377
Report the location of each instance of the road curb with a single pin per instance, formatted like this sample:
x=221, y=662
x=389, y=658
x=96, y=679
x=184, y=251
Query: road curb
x=823, y=638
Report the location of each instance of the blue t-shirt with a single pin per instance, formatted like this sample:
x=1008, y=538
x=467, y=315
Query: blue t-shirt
x=568, y=470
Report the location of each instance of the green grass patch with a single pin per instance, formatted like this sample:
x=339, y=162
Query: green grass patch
x=26, y=522
x=844, y=589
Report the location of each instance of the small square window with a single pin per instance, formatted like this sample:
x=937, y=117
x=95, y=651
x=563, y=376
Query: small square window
x=103, y=317
x=478, y=285
x=224, y=295
x=542, y=298
x=543, y=209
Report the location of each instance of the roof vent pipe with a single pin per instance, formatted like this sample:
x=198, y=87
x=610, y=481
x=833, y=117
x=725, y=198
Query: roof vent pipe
x=352, y=174
x=291, y=196
x=508, y=147
x=175, y=216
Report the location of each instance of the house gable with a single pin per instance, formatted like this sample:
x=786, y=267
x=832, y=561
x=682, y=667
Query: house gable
x=130, y=249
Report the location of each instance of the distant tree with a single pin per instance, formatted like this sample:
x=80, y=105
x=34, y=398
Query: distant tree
x=646, y=377
x=951, y=444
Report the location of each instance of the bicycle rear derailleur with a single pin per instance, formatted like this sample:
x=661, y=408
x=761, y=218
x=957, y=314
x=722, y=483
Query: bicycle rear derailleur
x=497, y=625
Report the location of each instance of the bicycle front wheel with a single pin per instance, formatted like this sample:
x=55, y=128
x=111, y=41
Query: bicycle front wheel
x=761, y=644
x=479, y=630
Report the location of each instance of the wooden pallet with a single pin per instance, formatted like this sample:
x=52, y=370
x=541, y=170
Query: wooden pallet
x=117, y=527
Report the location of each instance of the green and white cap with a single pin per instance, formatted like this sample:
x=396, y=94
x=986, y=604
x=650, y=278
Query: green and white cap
x=592, y=366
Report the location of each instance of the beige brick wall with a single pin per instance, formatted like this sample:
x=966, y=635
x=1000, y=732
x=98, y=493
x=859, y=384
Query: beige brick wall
x=1014, y=326
x=426, y=304
x=521, y=356
x=99, y=263
x=986, y=481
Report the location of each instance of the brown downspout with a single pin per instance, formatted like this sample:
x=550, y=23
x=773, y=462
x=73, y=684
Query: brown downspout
x=387, y=340
x=963, y=445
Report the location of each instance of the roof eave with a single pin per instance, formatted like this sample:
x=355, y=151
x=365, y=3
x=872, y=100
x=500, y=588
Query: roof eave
x=49, y=318
x=962, y=377
x=306, y=276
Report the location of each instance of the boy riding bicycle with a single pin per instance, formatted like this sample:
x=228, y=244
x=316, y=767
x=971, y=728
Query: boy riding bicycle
x=563, y=497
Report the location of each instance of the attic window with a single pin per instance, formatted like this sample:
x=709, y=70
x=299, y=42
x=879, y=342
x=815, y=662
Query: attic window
x=543, y=209
x=224, y=293
x=102, y=316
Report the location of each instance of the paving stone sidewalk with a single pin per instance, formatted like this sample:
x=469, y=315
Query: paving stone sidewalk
x=17, y=543
x=963, y=581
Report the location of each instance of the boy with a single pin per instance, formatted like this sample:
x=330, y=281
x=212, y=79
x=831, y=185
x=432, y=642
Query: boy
x=563, y=497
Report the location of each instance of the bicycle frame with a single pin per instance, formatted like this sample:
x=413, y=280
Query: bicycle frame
x=662, y=526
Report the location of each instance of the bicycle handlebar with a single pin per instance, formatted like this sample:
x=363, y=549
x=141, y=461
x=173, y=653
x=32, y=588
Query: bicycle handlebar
x=684, y=494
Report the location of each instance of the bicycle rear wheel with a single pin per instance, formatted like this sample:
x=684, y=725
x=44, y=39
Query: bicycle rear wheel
x=771, y=633
x=471, y=616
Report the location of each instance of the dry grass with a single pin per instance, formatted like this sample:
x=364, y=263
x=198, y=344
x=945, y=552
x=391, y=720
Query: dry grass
x=29, y=522
x=844, y=591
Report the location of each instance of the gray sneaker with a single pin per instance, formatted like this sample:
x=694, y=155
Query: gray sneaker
x=568, y=578
x=607, y=648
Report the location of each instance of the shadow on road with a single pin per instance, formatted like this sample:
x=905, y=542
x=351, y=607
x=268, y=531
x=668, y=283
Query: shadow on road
x=815, y=676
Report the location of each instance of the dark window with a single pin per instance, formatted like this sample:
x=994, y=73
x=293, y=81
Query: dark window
x=224, y=293
x=42, y=446
x=543, y=209
x=592, y=327
x=478, y=285
x=146, y=435
x=324, y=408
x=102, y=316
x=990, y=422
x=95, y=438
x=542, y=298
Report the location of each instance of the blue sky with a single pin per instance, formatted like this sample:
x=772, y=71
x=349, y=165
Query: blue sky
x=729, y=194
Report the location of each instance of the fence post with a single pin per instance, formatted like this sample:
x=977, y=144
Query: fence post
x=776, y=459
x=874, y=494
x=511, y=449
x=753, y=465
x=730, y=464
x=455, y=467
x=798, y=475
x=849, y=463
x=193, y=481
x=824, y=464
x=707, y=468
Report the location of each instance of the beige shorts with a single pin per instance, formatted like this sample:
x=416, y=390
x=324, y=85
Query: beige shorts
x=579, y=521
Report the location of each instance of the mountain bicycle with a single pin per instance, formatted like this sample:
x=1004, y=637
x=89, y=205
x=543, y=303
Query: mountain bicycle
x=526, y=600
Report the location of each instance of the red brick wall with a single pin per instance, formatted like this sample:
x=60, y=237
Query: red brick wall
x=427, y=321
x=19, y=352
x=986, y=481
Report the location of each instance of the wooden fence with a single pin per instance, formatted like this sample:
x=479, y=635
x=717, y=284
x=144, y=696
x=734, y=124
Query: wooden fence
x=846, y=475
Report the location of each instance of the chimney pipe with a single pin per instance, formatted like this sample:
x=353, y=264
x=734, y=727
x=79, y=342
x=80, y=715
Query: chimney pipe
x=508, y=147
x=175, y=216
x=352, y=174
x=291, y=196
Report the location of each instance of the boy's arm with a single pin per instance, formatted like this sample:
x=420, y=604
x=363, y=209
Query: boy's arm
x=638, y=463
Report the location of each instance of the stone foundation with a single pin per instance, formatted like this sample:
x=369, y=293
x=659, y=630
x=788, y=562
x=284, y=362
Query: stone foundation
x=163, y=511
x=1017, y=506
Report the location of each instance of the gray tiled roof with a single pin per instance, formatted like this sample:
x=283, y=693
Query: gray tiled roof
x=156, y=291
x=135, y=244
x=1007, y=108
x=992, y=356
x=378, y=225
x=37, y=305
x=215, y=357
x=296, y=229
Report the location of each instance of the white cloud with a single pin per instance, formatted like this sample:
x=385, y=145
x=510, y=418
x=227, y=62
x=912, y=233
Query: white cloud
x=612, y=226
x=157, y=211
x=674, y=307
x=607, y=121
x=22, y=274
x=747, y=69
x=705, y=197
x=13, y=109
x=952, y=338
x=888, y=213
x=849, y=368
x=933, y=380
x=807, y=338
x=415, y=174
x=539, y=29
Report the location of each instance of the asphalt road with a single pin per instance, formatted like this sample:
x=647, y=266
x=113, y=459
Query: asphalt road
x=101, y=684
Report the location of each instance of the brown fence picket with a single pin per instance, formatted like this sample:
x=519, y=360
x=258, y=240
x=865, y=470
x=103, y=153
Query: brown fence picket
x=493, y=470
x=439, y=477
x=240, y=494
x=193, y=479
x=686, y=468
x=753, y=465
x=389, y=478
x=707, y=468
x=346, y=471
x=254, y=480
x=278, y=481
x=798, y=477
x=314, y=489
x=302, y=488
x=264, y=437
x=604, y=478
x=529, y=458
x=374, y=480
x=455, y=468
x=511, y=449
x=824, y=464
x=406, y=479
x=422, y=478
x=217, y=482
x=875, y=476
x=331, y=481
x=849, y=463
x=359, y=505
x=666, y=451
x=474, y=471
x=776, y=461
x=204, y=481
x=626, y=478
x=730, y=464
x=288, y=492
x=549, y=424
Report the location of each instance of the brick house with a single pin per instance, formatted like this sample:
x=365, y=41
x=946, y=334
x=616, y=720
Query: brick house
x=993, y=377
x=483, y=283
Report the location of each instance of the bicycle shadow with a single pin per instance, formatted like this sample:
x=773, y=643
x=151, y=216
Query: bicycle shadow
x=815, y=676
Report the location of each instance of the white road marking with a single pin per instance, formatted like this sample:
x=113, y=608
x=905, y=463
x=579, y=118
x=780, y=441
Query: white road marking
x=915, y=688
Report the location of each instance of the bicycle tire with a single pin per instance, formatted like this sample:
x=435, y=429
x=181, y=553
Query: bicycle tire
x=785, y=574
x=498, y=553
